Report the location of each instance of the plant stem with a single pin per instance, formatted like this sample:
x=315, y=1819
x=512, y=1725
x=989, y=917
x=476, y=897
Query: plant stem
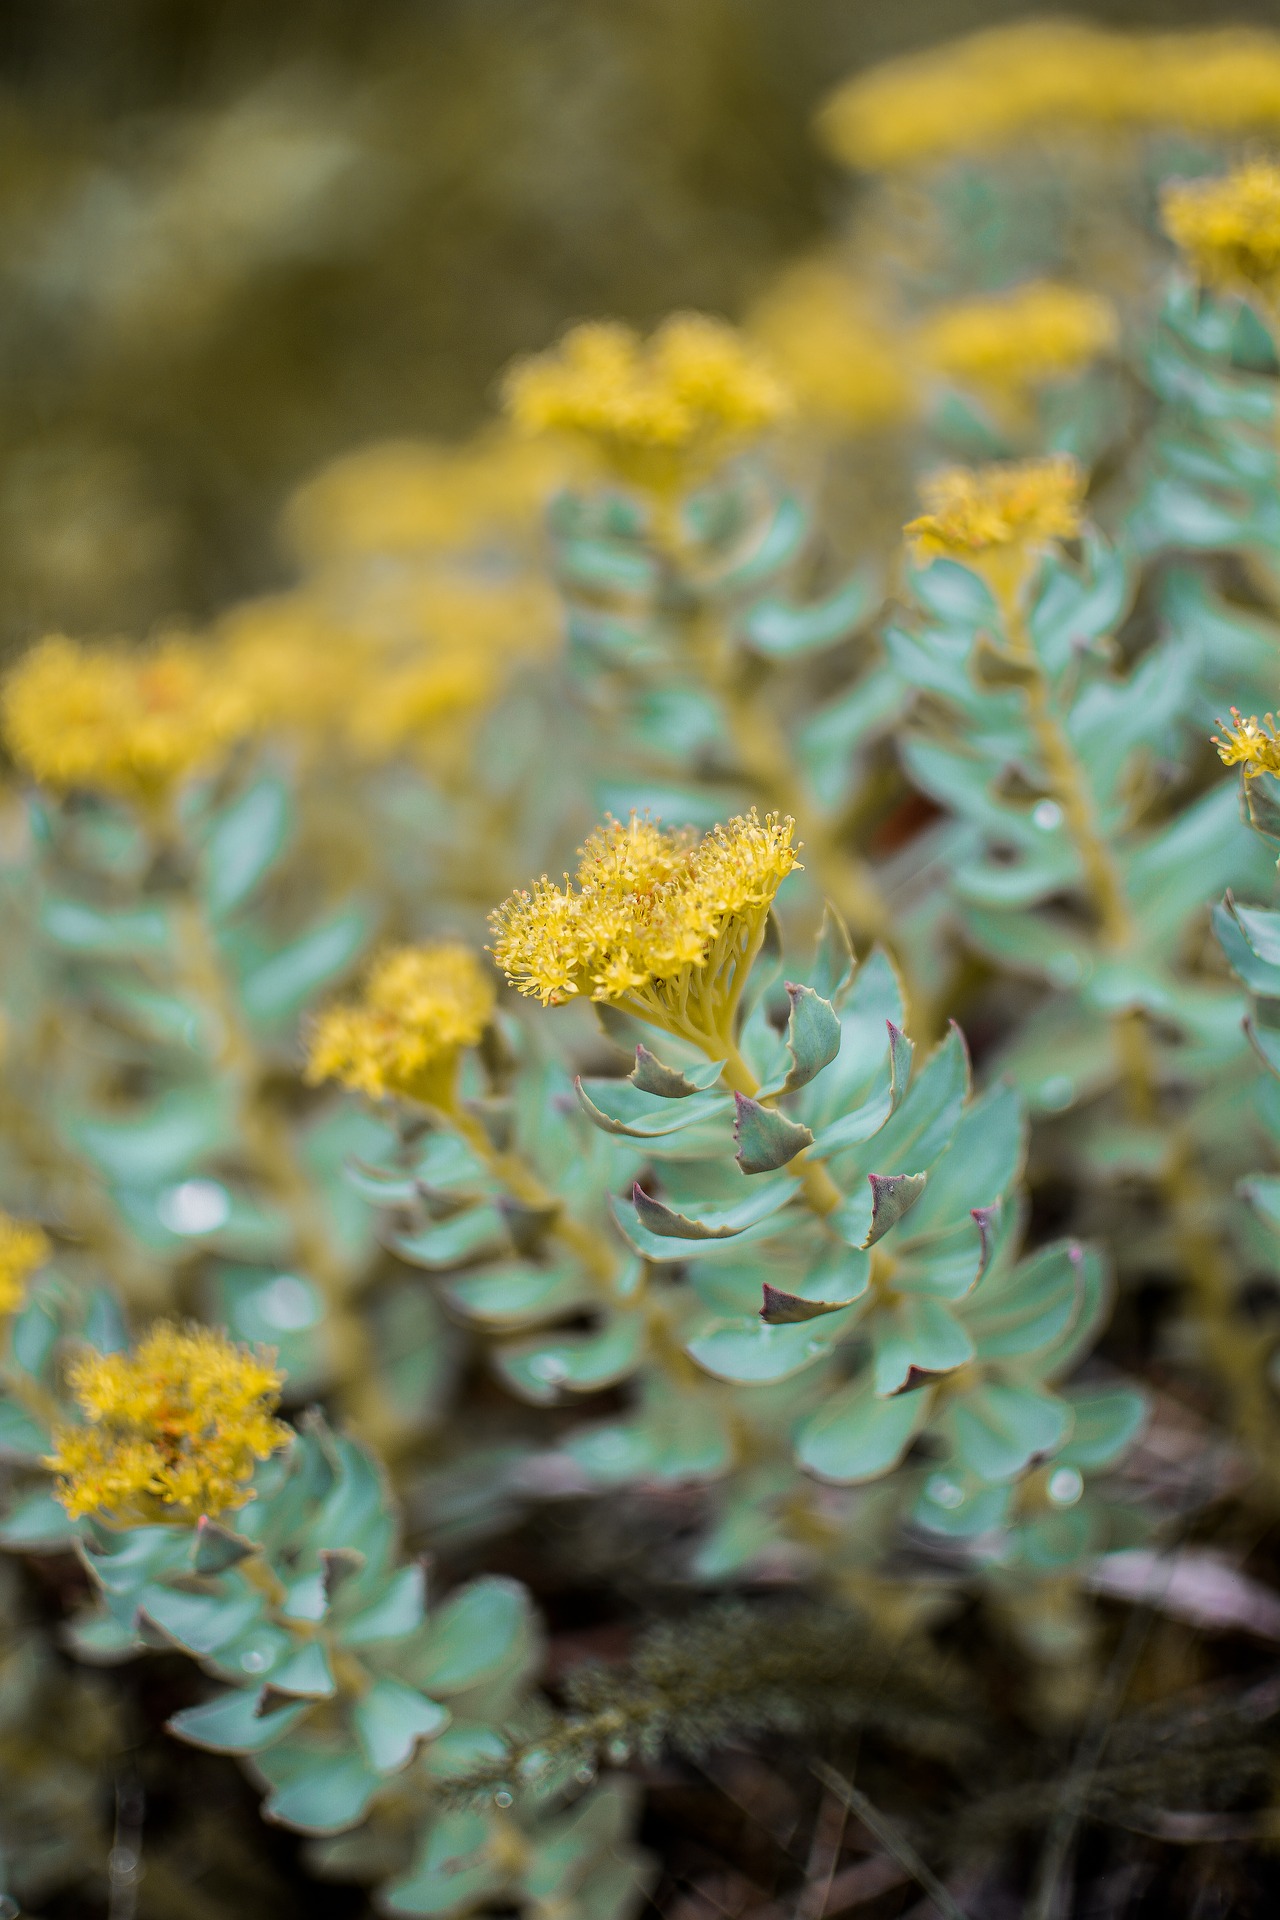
x=269, y=1143
x=525, y=1186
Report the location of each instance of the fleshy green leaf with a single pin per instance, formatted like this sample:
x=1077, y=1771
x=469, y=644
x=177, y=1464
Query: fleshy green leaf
x=856, y=1435
x=751, y=1353
x=234, y=1722
x=765, y=1138
x=279, y=988
x=710, y=1223
x=477, y=1631
x=317, y=1792
x=892, y=1196
x=998, y=1429
x=244, y=841
x=620, y=1107
x=308, y=1673
x=833, y=961
x=391, y=1718
x=651, y=1075
x=813, y=1037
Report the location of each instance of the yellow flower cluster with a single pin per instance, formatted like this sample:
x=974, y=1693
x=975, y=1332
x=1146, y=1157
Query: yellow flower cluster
x=839, y=357
x=1021, y=339
x=1015, y=503
x=374, y=667
x=996, y=518
x=660, y=922
x=1253, y=745
x=658, y=410
x=1043, y=76
x=420, y=1007
x=172, y=1430
x=408, y=498
x=133, y=722
x=22, y=1249
x=1229, y=228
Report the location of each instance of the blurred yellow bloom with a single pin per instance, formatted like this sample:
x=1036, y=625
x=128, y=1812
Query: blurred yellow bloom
x=132, y=722
x=995, y=518
x=1021, y=339
x=1045, y=76
x=658, y=410
x=172, y=1430
x=410, y=498
x=297, y=669
x=375, y=666
x=22, y=1249
x=1253, y=745
x=420, y=1007
x=1229, y=228
x=840, y=359
x=660, y=922
x=1010, y=503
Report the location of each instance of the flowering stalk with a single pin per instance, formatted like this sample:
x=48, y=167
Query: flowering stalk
x=421, y=1009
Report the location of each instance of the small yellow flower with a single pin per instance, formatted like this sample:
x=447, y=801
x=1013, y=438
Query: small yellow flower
x=129, y=722
x=1229, y=228
x=659, y=410
x=23, y=1248
x=171, y=1430
x=1253, y=745
x=840, y=358
x=996, y=518
x=1019, y=340
x=420, y=1007
x=660, y=923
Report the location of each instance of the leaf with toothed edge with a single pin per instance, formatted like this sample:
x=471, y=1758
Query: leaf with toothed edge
x=765, y=1138
x=865, y=1121
x=652, y=1075
x=217, y=1548
x=235, y=1722
x=838, y=1280
x=620, y=1107
x=813, y=1038
x=715, y=1223
x=892, y=1195
x=788, y=1309
x=901, y=1053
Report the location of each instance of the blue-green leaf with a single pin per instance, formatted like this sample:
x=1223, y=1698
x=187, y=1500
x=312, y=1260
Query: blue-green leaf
x=476, y=1632
x=280, y=987
x=317, y=1792
x=998, y=1429
x=765, y=1139
x=620, y=1107
x=234, y=1722
x=710, y=1223
x=244, y=842
x=391, y=1718
x=856, y=1435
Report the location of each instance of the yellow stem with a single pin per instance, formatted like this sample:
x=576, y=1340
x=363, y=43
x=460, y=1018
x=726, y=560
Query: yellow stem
x=523, y=1185
x=818, y=1189
x=270, y=1145
x=1103, y=881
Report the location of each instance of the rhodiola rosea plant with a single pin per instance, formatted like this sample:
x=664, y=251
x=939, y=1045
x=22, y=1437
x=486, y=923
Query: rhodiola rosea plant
x=780, y=1305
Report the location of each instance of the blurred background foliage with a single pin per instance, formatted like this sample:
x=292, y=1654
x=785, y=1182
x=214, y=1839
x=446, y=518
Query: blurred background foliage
x=236, y=240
